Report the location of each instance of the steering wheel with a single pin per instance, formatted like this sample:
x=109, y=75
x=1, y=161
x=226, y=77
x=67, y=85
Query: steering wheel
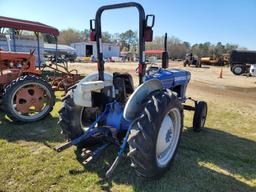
x=152, y=69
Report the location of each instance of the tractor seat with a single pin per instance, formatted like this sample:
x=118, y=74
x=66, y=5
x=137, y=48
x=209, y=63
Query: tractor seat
x=128, y=81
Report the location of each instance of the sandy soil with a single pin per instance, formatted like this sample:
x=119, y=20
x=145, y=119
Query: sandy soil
x=205, y=83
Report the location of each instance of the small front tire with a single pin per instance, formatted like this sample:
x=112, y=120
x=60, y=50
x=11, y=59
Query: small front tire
x=199, y=116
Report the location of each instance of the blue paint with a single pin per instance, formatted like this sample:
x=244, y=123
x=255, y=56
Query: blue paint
x=113, y=113
x=112, y=117
x=171, y=79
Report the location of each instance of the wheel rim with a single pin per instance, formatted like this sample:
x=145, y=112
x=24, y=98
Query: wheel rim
x=83, y=124
x=85, y=120
x=168, y=137
x=238, y=70
x=31, y=101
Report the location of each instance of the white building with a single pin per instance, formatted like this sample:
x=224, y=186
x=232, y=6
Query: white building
x=87, y=49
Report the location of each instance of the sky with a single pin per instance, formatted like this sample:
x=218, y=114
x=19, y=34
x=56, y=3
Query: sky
x=195, y=21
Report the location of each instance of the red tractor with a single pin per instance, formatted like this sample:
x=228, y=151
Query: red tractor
x=24, y=95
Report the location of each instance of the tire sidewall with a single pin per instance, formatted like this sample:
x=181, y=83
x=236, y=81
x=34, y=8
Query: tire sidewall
x=12, y=89
x=71, y=117
x=198, y=116
x=174, y=103
x=238, y=66
x=156, y=107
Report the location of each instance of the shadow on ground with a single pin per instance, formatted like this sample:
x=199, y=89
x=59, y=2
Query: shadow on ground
x=212, y=160
x=43, y=131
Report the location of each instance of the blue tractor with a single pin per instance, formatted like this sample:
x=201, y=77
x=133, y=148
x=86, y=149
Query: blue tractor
x=106, y=109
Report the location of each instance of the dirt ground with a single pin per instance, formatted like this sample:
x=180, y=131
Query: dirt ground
x=205, y=82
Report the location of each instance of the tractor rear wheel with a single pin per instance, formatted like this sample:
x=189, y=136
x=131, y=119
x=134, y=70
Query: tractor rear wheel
x=74, y=119
x=28, y=98
x=155, y=134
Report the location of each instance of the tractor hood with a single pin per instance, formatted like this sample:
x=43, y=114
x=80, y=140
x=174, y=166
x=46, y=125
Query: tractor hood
x=170, y=78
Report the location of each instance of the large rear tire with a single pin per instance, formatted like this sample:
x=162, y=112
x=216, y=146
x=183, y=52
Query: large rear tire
x=155, y=134
x=28, y=98
x=74, y=119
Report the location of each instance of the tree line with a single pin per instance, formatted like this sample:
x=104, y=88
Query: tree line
x=128, y=42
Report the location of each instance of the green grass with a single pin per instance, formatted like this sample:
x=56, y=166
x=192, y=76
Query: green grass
x=221, y=158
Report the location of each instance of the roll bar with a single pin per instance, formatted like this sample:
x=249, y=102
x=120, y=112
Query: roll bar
x=142, y=26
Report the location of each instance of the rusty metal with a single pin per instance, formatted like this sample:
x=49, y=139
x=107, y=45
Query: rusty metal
x=8, y=75
x=13, y=65
x=27, y=97
x=62, y=77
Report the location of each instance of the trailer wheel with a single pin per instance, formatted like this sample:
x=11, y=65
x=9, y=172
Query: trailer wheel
x=155, y=134
x=238, y=69
x=28, y=98
x=74, y=120
x=199, y=116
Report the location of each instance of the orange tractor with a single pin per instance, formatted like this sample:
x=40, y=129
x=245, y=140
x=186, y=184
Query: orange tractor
x=24, y=94
x=13, y=64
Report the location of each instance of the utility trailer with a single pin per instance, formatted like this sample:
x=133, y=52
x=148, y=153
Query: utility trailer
x=241, y=61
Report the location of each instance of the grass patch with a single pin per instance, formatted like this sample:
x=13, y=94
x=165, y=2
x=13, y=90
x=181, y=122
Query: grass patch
x=220, y=158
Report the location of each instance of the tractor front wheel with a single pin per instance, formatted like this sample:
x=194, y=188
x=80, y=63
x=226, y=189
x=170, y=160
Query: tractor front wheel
x=155, y=134
x=28, y=98
x=199, y=116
